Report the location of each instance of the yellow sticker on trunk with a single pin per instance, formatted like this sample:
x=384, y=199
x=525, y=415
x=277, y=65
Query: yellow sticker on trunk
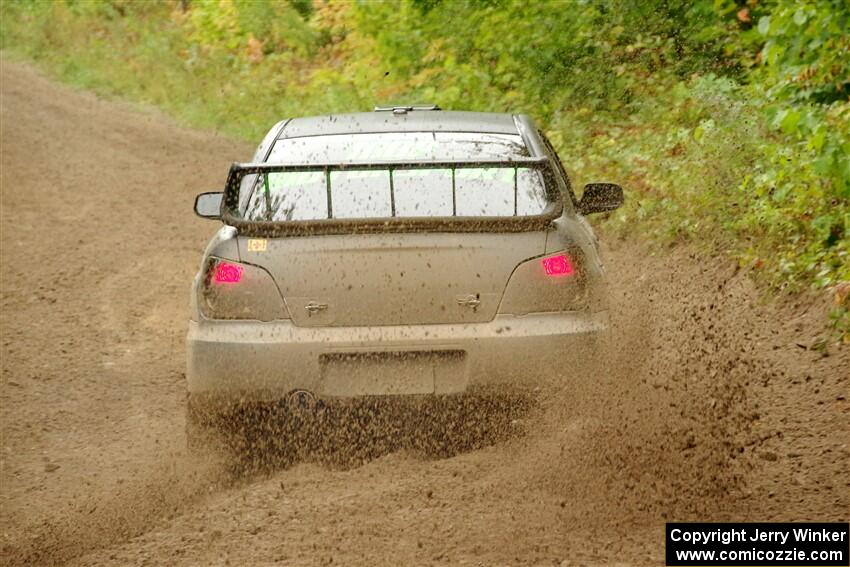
x=257, y=245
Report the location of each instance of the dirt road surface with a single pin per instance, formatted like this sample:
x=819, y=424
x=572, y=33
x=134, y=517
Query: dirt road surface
x=712, y=406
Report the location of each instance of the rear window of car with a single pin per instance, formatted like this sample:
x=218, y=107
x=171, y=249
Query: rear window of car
x=315, y=195
x=402, y=146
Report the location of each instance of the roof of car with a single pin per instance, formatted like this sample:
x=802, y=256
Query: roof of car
x=412, y=121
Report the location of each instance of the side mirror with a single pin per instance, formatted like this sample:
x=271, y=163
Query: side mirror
x=600, y=197
x=208, y=205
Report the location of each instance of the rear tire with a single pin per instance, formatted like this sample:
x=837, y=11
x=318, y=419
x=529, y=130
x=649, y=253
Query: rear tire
x=246, y=437
x=204, y=437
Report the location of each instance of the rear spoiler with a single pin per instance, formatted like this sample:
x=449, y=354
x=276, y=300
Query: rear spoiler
x=230, y=213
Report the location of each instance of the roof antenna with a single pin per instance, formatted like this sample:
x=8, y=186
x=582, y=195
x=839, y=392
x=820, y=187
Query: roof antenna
x=406, y=109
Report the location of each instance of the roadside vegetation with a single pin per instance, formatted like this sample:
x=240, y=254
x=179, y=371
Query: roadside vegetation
x=728, y=121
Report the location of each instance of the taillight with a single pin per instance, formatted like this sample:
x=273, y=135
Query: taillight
x=227, y=273
x=549, y=284
x=231, y=290
x=558, y=266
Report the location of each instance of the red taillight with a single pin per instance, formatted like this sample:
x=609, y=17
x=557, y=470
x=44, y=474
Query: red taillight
x=557, y=266
x=226, y=272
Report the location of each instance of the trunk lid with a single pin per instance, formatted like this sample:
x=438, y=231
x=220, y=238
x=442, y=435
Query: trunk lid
x=392, y=278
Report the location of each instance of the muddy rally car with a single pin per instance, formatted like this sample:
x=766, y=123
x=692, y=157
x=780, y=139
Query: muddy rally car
x=406, y=252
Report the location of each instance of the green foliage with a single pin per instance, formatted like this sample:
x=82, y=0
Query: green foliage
x=727, y=121
x=236, y=25
x=806, y=54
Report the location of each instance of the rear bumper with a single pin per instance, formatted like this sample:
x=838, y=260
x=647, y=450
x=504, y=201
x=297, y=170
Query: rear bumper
x=251, y=360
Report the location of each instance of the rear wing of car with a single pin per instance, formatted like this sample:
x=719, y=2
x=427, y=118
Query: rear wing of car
x=232, y=203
